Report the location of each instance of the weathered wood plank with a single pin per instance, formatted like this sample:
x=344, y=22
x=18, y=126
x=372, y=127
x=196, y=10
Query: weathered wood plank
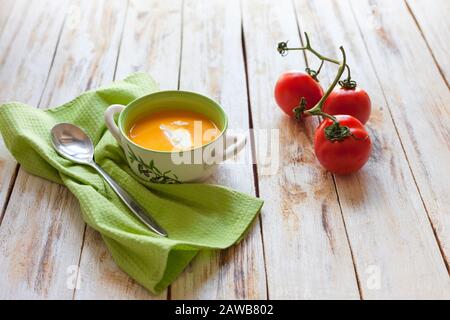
x=421, y=116
x=87, y=55
x=42, y=232
x=26, y=49
x=6, y=8
x=40, y=240
x=434, y=23
x=150, y=43
x=386, y=222
x=101, y=278
x=21, y=46
x=212, y=64
x=307, y=253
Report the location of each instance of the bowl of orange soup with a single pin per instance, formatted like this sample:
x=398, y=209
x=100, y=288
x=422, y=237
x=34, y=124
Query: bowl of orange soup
x=173, y=136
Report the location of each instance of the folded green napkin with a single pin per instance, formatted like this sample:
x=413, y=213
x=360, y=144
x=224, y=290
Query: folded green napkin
x=196, y=216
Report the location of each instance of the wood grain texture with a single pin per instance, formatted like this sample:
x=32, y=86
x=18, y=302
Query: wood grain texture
x=88, y=51
x=307, y=253
x=6, y=8
x=434, y=23
x=150, y=43
x=101, y=278
x=40, y=240
x=26, y=52
x=386, y=221
x=421, y=116
x=212, y=63
x=39, y=258
x=26, y=49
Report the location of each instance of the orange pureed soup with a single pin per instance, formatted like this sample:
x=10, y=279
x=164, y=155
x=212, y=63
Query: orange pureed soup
x=173, y=130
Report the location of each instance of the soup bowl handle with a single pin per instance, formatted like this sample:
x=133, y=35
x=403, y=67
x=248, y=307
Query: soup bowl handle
x=109, y=119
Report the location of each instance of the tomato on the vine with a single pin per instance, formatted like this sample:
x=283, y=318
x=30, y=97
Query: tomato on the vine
x=353, y=102
x=342, y=148
x=292, y=86
x=341, y=142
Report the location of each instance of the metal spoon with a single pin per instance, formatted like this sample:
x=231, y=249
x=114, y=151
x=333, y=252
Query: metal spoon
x=75, y=145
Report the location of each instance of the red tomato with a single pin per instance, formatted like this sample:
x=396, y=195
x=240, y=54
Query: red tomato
x=292, y=86
x=347, y=155
x=354, y=102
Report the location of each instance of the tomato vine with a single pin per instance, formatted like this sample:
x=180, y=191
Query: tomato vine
x=335, y=132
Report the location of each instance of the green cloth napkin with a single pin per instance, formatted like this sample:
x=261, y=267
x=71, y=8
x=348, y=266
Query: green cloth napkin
x=196, y=216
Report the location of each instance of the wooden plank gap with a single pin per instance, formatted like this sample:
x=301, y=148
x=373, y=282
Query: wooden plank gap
x=12, y=182
x=213, y=65
x=78, y=279
x=121, y=39
x=253, y=149
x=181, y=49
x=441, y=250
x=39, y=105
x=357, y=279
x=438, y=66
x=16, y=169
x=58, y=40
x=301, y=193
x=302, y=43
x=169, y=288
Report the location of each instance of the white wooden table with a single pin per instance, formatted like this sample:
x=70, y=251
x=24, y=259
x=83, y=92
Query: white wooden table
x=381, y=233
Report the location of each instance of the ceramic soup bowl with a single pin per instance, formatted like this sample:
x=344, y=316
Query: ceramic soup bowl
x=173, y=166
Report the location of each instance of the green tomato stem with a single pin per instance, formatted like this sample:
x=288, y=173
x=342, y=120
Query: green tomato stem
x=317, y=109
x=283, y=49
x=336, y=131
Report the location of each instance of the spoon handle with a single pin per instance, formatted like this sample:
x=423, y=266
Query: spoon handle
x=138, y=211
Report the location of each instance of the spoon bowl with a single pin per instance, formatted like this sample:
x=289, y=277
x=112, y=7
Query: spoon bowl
x=72, y=143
